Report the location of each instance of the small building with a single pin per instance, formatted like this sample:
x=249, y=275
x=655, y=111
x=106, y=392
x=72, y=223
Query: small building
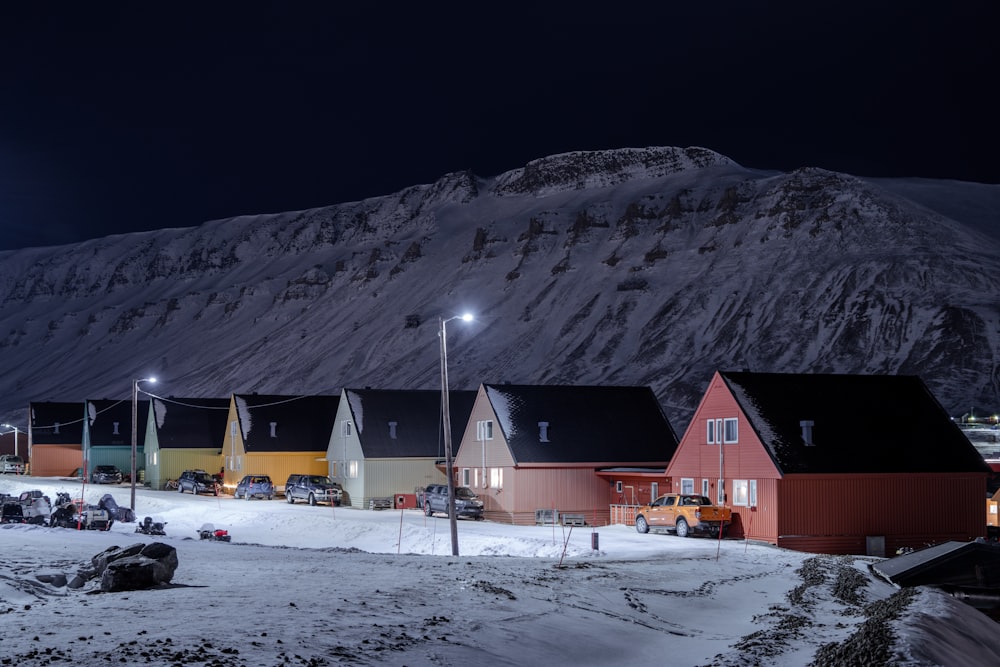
x=841, y=464
x=388, y=442
x=531, y=449
x=107, y=435
x=183, y=434
x=277, y=436
x=55, y=438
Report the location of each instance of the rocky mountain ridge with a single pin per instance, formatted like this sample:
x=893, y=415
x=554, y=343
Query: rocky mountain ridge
x=634, y=266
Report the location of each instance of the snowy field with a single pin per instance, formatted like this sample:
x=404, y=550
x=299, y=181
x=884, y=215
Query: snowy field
x=302, y=585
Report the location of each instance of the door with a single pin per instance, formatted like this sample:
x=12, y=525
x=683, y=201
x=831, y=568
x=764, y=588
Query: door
x=662, y=512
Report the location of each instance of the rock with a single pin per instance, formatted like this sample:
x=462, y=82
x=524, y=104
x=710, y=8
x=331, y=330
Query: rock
x=58, y=579
x=154, y=565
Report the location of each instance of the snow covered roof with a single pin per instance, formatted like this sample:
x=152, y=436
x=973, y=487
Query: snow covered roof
x=286, y=423
x=190, y=423
x=401, y=423
x=860, y=423
x=109, y=423
x=582, y=424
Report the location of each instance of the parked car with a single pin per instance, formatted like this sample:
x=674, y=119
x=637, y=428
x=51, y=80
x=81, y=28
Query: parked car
x=12, y=512
x=197, y=481
x=255, y=485
x=313, y=489
x=434, y=498
x=106, y=475
x=11, y=464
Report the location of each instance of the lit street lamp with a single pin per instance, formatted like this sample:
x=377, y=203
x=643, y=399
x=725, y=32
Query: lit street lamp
x=446, y=416
x=135, y=429
x=15, y=436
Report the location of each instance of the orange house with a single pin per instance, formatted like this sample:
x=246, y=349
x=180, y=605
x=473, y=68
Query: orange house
x=842, y=464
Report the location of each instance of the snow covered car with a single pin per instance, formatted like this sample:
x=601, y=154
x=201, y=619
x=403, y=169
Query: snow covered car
x=197, y=481
x=255, y=485
x=106, y=475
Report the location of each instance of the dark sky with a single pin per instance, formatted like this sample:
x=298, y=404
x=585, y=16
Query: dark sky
x=118, y=117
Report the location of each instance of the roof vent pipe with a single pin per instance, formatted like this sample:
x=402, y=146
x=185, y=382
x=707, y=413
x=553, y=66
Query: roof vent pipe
x=807, y=431
x=274, y=429
x=543, y=431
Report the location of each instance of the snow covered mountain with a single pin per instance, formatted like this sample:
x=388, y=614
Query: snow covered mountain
x=635, y=266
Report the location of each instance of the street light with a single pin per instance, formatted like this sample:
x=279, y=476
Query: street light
x=446, y=416
x=135, y=429
x=15, y=436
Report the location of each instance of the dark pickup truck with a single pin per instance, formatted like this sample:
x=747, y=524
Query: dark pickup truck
x=434, y=498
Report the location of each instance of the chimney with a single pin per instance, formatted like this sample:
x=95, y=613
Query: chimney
x=807, y=431
x=543, y=431
x=392, y=430
x=274, y=428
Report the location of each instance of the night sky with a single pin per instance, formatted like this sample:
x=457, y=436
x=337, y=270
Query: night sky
x=119, y=117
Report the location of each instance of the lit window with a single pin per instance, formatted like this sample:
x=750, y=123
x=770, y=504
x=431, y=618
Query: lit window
x=496, y=478
x=731, y=434
x=741, y=492
x=352, y=469
x=753, y=493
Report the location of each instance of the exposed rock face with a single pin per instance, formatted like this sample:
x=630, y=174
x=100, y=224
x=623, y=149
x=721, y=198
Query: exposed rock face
x=654, y=266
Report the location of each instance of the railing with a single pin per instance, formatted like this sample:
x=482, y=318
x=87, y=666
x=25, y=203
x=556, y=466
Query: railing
x=624, y=514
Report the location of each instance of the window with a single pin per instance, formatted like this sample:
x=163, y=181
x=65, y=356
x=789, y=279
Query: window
x=475, y=477
x=740, y=492
x=352, y=469
x=654, y=491
x=687, y=485
x=710, y=435
x=731, y=434
x=705, y=487
x=484, y=430
x=466, y=477
x=496, y=478
x=619, y=487
x=752, y=498
x=345, y=428
x=720, y=492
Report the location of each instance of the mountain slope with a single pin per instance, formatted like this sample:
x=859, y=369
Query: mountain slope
x=636, y=266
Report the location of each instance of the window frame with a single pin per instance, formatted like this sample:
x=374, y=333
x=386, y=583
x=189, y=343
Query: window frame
x=726, y=423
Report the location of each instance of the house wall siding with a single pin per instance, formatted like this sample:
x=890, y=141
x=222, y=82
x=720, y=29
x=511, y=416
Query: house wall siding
x=470, y=452
x=172, y=462
x=55, y=460
x=567, y=490
x=279, y=465
x=384, y=478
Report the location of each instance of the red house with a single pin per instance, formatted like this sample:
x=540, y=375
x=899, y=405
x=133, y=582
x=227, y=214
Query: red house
x=843, y=464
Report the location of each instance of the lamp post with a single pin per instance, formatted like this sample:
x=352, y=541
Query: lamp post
x=15, y=436
x=446, y=416
x=135, y=430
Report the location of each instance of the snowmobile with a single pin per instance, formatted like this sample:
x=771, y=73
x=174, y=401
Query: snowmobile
x=83, y=517
x=150, y=527
x=123, y=514
x=36, y=507
x=209, y=532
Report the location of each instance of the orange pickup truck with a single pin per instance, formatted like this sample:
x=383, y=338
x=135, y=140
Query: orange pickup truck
x=684, y=514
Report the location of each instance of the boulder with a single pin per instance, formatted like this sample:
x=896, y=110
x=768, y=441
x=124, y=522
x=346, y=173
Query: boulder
x=152, y=566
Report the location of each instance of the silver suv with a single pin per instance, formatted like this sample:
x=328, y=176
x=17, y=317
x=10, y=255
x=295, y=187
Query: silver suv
x=9, y=463
x=435, y=499
x=313, y=489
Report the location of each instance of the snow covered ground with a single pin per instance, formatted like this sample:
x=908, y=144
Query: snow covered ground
x=302, y=585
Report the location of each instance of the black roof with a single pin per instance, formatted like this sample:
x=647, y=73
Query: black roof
x=55, y=423
x=861, y=423
x=110, y=422
x=301, y=423
x=415, y=416
x=191, y=423
x=584, y=424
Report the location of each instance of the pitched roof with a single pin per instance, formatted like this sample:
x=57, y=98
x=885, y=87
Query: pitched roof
x=301, y=423
x=110, y=422
x=861, y=423
x=416, y=415
x=56, y=423
x=191, y=423
x=624, y=425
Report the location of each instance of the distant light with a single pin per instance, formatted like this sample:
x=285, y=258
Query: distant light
x=467, y=317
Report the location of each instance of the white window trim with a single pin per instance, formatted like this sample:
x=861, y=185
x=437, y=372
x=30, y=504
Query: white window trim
x=752, y=493
x=741, y=493
x=710, y=431
x=654, y=491
x=720, y=492
x=736, y=430
x=466, y=477
x=688, y=484
x=706, y=488
x=484, y=430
